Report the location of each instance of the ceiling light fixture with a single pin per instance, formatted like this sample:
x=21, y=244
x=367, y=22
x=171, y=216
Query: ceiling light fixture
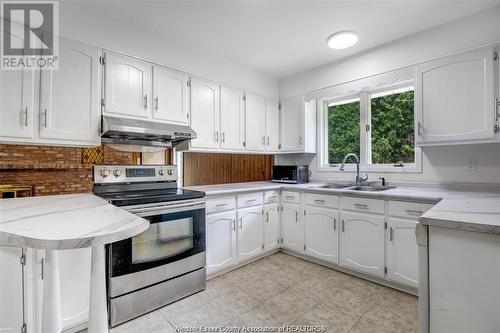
x=342, y=40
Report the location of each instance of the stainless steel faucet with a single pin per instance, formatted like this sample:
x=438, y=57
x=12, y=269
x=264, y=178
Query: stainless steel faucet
x=359, y=179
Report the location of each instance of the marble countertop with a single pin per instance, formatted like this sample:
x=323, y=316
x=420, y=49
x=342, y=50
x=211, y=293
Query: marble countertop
x=456, y=208
x=65, y=222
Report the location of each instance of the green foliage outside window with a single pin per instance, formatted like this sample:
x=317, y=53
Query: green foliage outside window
x=343, y=131
x=393, y=138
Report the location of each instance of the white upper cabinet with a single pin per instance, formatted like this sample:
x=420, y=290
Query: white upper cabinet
x=127, y=87
x=255, y=122
x=321, y=235
x=69, y=99
x=170, y=95
x=291, y=130
x=17, y=104
x=205, y=112
x=272, y=125
x=232, y=119
x=455, y=98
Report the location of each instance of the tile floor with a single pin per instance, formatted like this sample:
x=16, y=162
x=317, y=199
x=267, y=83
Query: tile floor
x=283, y=290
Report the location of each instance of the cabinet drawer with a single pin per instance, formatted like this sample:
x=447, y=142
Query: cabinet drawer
x=220, y=204
x=324, y=200
x=247, y=200
x=363, y=205
x=411, y=210
x=271, y=197
x=289, y=196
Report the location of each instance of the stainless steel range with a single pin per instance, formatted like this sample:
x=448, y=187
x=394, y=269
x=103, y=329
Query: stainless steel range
x=164, y=263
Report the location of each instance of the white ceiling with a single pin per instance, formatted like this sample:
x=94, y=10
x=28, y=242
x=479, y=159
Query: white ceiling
x=280, y=38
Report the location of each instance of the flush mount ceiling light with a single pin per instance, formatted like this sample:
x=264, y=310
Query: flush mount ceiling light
x=342, y=40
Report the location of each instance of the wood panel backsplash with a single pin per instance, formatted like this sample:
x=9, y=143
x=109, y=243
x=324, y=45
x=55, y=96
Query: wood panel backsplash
x=208, y=169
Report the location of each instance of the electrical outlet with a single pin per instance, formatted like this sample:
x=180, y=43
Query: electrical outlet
x=472, y=164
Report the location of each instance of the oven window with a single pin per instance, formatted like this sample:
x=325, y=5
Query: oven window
x=163, y=240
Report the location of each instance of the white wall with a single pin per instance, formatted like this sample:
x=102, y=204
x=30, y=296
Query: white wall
x=439, y=164
x=77, y=22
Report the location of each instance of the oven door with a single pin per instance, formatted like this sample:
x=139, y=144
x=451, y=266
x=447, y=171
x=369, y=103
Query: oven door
x=176, y=232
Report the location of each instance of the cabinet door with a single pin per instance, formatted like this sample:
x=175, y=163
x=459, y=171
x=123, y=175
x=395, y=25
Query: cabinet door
x=362, y=242
x=255, y=123
x=17, y=104
x=454, y=98
x=171, y=95
x=221, y=241
x=291, y=228
x=74, y=277
x=402, y=253
x=271, y=227
x=250, y=233
x=127, y=87
x=321, y=236
x=69, y=99
x=232, y=119
x=205, y=111
x=272, y=125
x=11, y=289
x=292, y=138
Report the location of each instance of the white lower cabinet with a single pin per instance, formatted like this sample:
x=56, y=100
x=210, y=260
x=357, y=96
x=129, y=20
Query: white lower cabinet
x=292, y=231
x=271, y=227
x=221, y=241
x=402, y=251
x=11, y=289
x=321, y=233
x=250, y=233
x=362, y=242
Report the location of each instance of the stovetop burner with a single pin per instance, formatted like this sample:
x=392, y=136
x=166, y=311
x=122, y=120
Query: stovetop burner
x=127, y=198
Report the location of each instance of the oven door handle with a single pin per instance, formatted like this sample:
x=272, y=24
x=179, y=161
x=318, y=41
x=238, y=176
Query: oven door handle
x=166, y=209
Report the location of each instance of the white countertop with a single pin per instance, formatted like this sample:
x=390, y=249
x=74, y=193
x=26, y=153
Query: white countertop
x=65, y=222
x=457, y=208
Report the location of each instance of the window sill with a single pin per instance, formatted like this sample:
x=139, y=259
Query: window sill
x=410, y=168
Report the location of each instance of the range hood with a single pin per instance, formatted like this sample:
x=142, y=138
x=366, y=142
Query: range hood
x=146, y=135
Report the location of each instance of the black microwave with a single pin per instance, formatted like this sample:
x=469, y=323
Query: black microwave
x=294, y=174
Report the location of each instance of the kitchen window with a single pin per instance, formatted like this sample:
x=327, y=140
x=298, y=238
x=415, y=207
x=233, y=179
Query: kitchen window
x=378, y=126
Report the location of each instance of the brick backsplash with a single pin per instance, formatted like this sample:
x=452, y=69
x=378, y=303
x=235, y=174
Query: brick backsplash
x=52, y=170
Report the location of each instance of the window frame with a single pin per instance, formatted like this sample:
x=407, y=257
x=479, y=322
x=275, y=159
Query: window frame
x=364, y=97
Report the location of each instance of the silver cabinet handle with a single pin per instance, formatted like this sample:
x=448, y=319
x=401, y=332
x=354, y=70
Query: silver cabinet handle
x=414, y=212
x=223, y=136
x=234, y=224
x=217, y=136
x=24, y=114
x=156, y=103
x=343, y=225
x=334, y=224
x=273, y=197
x=391, y=234
x=221, y=205
x=362, y=206
x=300, y=140
x=241, y=223
x=263, y=140
x=267, y=216
x=289, y=197
x=251, y=200
x=268, y=141
x=42, y=270
x=296, y=216
x=419, y=129
x=319, y=201
x=45, y=118
x=146, y=101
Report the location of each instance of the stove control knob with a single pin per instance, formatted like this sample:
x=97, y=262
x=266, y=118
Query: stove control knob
x=170, y=172
x=117, y=172
x=161, y=172
x=104, y=173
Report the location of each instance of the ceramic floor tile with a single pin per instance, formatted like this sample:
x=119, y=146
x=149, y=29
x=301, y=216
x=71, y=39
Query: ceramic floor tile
x=203, y=314
x=263, y=288
x=380, y=319
x=216, y=287
x=235, y=303
x=399, y=301
x=349, y=301
x=292, y=302
x=315, y=287
x=152, y=322
x=332, y=319
x=263, y=315
x=366, y=288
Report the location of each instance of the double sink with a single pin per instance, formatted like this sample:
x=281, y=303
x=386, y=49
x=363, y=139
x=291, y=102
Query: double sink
x=361, y=188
